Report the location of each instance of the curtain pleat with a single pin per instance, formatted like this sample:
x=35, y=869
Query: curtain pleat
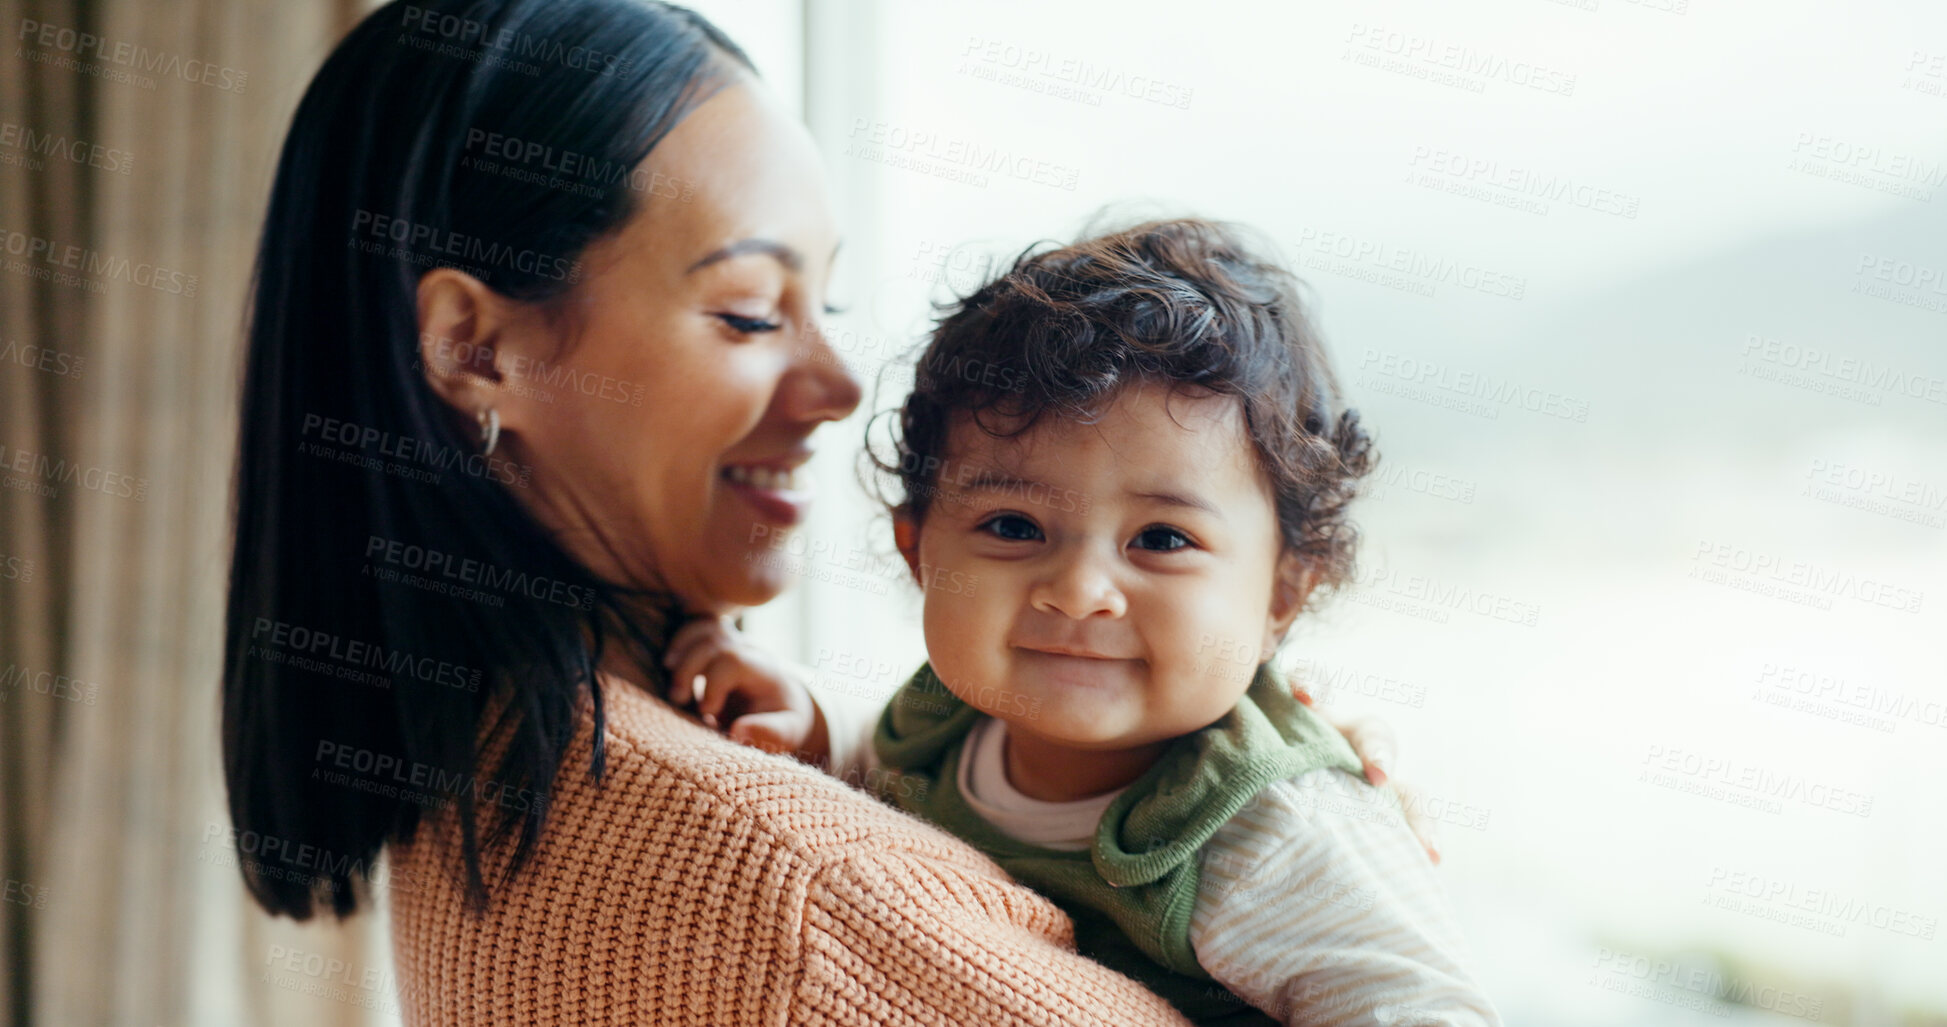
x=111, y=800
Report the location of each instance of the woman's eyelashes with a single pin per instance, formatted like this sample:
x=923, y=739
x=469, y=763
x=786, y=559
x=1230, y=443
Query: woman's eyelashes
x=744, y=325
x=748, y=325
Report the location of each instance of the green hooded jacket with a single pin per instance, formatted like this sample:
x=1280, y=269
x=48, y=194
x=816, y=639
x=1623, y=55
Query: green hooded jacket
x=1132, y=892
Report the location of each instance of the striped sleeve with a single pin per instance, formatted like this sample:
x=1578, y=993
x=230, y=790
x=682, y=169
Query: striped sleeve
x=1318, y=906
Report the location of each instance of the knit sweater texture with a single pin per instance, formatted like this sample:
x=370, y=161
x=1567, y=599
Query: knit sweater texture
x=706, y=883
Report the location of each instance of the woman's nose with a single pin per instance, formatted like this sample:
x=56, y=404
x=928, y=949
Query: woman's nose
x=1080, y=585
x=825, y=389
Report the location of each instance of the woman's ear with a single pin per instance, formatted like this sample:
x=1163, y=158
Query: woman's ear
x=905, y=535
x=1289, y=589
x=461, y=323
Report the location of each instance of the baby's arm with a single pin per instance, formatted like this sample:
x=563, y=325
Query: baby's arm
x=1319, y=906
x=849, y=721
x=768, y=703
x=750, y=695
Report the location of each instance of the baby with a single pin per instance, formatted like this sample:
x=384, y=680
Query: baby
x=1122, y=473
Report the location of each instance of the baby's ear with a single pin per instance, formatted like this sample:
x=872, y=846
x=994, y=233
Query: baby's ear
x=905, y=535
x=1289, y=589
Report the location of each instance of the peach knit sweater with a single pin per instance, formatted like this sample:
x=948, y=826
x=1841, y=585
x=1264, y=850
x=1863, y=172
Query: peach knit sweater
x=711, y=884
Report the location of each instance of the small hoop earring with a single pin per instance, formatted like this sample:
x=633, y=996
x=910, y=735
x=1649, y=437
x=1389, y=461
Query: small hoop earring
x=489, y=420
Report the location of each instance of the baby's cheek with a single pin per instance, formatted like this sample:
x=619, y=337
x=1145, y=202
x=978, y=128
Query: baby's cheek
x=953, y=647
x=1211, y=648
x=1211, y=667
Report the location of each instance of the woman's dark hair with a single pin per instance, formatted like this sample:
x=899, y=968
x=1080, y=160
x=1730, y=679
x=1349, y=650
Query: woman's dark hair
x=388, y=594
x=1186, y=303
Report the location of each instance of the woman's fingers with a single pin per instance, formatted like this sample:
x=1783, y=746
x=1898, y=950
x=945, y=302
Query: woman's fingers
x=1416, y=821
x=1373, y=741
x=1376, y=745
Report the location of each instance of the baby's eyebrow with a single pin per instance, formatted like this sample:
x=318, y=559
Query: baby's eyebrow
x=1193, y=502
x=988, y=480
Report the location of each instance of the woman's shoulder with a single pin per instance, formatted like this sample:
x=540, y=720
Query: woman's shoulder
x=692, y=854
x=674, y=792
x=707, y=883
x=664, y=763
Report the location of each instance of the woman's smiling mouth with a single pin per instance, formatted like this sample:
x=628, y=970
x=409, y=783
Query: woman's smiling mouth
x=779, y=490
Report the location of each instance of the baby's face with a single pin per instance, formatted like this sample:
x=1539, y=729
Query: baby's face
x=1110, y=585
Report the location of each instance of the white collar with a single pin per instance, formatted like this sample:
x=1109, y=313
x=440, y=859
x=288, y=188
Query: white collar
x=983, y=781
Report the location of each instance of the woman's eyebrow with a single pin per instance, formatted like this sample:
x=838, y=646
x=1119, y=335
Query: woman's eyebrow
x=792, y=260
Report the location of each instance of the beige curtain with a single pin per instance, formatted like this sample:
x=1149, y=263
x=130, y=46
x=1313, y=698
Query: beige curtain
x=122, y=901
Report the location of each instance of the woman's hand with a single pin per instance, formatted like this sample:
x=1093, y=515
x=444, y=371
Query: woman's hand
x=746, y=693
x=1375, y=746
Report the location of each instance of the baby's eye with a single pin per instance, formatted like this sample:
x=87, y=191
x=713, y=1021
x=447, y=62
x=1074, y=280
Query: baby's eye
x=1161, y=539
x=1012, y=527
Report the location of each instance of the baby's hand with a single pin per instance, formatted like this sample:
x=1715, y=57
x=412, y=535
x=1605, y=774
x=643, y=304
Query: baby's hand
x=763, y=705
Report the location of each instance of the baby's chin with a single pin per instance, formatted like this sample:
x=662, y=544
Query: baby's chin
x=1108, y=715
x=1081, y=729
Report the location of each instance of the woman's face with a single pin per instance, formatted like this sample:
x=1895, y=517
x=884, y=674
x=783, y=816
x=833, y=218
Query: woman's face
x=665, y=439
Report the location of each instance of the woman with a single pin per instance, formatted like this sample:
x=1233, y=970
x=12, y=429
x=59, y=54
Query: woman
x=534, y=353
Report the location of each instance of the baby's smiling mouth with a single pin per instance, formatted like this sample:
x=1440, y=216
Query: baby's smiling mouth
x=1077, y=652
x=1067, y=667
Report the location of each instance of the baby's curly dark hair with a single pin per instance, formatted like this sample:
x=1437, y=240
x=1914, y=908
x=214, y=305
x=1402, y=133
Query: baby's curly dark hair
x=1185, y=302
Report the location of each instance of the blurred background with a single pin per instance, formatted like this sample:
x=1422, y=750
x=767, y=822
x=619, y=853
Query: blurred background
x=1644, y=300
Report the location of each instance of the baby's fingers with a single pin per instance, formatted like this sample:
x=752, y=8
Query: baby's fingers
x=727, y=675
x=696, y=630
x=693, y=649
